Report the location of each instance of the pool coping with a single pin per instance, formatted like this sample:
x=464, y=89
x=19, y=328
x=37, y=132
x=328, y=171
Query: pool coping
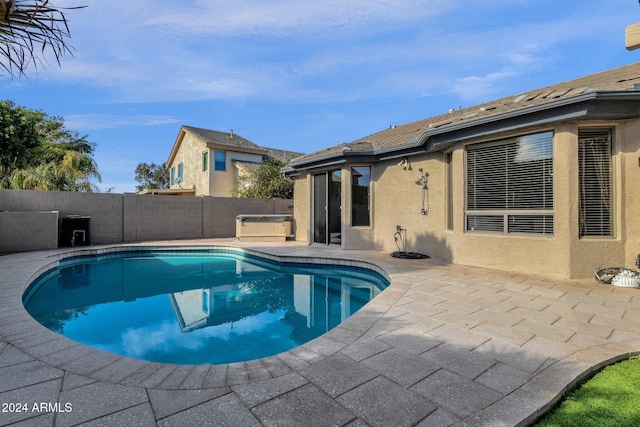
x=601, y=319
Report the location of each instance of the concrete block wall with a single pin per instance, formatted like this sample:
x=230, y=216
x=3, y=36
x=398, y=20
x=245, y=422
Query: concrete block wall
x=105, y=210
x=28, y=231
x=117, y=218
x=162, y=217
x=283, y=206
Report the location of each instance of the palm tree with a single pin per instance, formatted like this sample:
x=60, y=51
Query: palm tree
x=74, y=173
x=27, y=26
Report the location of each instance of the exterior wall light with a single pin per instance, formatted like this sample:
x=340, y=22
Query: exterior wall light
x=404, y=164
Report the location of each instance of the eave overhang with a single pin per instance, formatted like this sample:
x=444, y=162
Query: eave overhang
x=620, y=105
x=236, y=149
x=176, y=146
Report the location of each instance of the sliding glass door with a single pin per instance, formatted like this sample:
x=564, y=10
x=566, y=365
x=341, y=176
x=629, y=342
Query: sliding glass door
x=327, y=207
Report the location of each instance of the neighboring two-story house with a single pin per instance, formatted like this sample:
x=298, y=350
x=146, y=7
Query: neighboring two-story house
x=209, y=162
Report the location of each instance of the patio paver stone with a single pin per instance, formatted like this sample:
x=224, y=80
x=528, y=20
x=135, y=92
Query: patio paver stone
x=444, y=345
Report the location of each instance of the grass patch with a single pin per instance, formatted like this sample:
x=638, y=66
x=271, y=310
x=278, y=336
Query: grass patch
x=610, y=399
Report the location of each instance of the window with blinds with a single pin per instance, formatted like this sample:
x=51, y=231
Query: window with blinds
x=595, y=180
x=510, y=185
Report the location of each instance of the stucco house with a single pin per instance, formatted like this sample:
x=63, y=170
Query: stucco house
x=209, y=162
x=544, y=181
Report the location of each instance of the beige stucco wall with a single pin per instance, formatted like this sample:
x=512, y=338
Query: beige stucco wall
x=302, y=208
x=589, y=252
x=222, y=183
x=190, y=154
x=629, y=169
x=397, y=200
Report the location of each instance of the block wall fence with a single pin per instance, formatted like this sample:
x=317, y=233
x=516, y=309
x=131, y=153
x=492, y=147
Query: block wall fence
x=29, y=219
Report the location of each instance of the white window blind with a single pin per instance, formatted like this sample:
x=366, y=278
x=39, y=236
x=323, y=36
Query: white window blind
x=510, y=185
x=595, y=171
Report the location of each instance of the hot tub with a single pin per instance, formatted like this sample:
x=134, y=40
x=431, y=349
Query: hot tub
x=263, y=228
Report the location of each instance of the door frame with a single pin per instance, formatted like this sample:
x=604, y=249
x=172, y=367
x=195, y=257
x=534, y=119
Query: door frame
x=327, y=216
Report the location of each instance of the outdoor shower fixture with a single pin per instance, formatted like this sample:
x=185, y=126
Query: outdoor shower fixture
x=423, y=179
x=422, y=182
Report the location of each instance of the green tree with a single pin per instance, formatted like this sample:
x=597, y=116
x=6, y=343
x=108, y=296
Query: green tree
x=38, y=152
x=27, y=28
x=19, y=137
x=265, y=182
x=152, y=176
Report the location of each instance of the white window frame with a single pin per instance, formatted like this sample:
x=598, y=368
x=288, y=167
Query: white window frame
x=448, y=160
x=180, y=177
x=596, y=186
x=205, y=161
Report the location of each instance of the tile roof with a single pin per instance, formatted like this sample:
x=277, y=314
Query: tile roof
x=618, y=79
x=282, y=155
x=233, y=140
x=230, y=139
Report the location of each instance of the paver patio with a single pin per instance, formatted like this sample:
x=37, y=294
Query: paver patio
x=442, y=345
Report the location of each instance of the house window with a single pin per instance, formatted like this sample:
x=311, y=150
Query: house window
x=220, y=160
x=205, y=161
x=360, y=195
x=180, y=177
x=595, y=181
x=449, y=184
x=510, y=185
x=173, y=175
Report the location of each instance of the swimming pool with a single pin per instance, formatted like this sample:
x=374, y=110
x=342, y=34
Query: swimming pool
x=196, y=306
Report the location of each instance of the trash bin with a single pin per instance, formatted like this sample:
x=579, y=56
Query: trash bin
x=76, y=231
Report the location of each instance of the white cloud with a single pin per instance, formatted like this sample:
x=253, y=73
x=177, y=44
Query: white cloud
x=281, y=17
x=197, y=50
x=166, y=336
x=161, y=51
x=161, y=337
x=480, y=87
x=106, y=121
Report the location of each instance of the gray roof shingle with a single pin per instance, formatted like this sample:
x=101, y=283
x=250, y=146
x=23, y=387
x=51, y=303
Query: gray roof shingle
x=230, y=139
x=233, y=140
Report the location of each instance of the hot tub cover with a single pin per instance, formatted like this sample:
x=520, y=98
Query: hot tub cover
x=263, y=218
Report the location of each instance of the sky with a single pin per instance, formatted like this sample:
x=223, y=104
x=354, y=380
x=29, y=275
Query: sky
x=300, y=75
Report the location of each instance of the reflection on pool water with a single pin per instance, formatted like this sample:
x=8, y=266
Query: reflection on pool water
x=193, y=307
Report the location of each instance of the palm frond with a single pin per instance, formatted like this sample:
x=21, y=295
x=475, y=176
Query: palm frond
x=27, y=26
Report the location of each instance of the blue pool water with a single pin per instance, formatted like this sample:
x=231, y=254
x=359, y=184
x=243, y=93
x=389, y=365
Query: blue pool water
x=198, y=306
